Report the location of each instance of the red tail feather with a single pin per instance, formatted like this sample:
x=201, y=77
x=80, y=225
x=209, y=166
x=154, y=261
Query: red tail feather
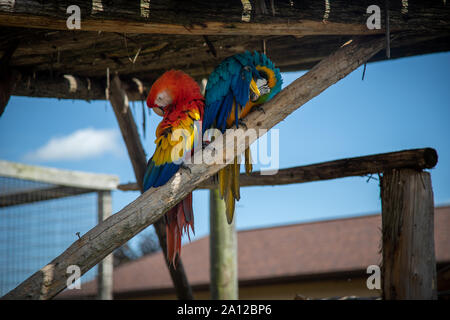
x=178, y=220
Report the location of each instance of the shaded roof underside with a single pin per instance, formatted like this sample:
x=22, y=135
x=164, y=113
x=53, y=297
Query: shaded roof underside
x=203, y=34
x=48, y=55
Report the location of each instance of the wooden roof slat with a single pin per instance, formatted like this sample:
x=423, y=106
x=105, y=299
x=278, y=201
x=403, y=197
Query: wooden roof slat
x=42, y=76
x=171, y=35
x=206, y=17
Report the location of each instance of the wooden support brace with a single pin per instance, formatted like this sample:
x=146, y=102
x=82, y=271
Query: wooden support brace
x=100, y=241
x=409, y=262
x=360, y=166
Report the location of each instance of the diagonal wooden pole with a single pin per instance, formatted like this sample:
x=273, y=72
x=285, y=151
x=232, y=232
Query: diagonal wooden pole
x=119, y=102
x=101, y=240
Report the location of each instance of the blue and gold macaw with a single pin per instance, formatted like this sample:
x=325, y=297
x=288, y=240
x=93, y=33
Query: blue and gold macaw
x=236, y=86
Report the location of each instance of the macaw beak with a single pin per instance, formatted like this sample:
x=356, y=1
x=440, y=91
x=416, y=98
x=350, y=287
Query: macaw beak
x=159, y=111
x=254, y=91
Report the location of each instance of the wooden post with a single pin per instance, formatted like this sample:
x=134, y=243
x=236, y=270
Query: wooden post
x=223, y=251
x=105, y=267
x=409, y=262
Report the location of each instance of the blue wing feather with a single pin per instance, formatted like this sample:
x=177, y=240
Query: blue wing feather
x=231, y=80
x=156, y=176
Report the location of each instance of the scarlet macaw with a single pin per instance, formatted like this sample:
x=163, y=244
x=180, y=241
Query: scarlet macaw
x=177, y=98
x=236, y=86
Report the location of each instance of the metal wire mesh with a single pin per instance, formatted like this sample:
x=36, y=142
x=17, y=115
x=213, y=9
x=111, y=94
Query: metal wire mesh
x=38, y=221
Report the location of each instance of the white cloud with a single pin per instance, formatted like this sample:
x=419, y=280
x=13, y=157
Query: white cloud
x=81, y=144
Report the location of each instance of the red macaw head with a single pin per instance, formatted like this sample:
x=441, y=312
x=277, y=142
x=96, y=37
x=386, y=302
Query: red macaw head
x=171, y=88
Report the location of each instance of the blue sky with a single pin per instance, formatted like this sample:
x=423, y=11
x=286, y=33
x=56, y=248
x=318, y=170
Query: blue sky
x=401, y=104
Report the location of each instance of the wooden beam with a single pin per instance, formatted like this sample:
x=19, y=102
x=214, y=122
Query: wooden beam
x=8, y=76
x=206, y=17
x=360, y=166
x=409, y=262
x=302, y=28
x=222, y=251
x=68, y=178
x=119, y=102
x=8, y=82
x=199, y=17
x=70, y=86
x=154, y=203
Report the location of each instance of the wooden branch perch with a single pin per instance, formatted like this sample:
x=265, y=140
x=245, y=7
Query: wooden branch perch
x=360, y=166
x=96, y=244
x=119, y=102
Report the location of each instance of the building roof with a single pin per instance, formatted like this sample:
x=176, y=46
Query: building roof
x=317, y=249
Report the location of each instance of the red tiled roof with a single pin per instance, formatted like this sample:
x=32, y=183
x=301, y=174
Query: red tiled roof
x=318, y=248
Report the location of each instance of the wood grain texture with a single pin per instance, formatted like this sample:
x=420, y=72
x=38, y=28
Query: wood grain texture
x=205, y=17
x=303, y=28
x=409, y=262
x=150, y=206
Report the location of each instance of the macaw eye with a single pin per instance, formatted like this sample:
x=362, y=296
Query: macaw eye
x=263, y=74
x=163, y=99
